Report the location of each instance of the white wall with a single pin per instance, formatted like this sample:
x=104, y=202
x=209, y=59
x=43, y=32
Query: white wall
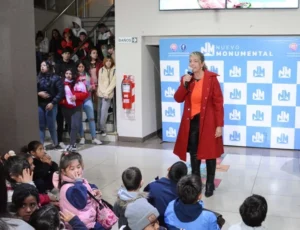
x=43, y=17
x=141, y=18
x=97, y=8
x=151, y=106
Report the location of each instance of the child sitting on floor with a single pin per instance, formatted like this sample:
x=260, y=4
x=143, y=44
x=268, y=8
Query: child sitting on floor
x=132, y=181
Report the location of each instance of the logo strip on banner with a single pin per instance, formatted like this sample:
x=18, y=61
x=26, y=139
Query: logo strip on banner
x=260, y=81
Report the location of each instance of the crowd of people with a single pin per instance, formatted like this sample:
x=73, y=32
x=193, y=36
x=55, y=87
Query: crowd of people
x=74, y=76
x=38, y=193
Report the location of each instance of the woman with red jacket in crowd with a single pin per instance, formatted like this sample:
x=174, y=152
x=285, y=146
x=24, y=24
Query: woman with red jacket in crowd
x=67, y=41
x=83, y=52
x=200, y=131
x=75, y=94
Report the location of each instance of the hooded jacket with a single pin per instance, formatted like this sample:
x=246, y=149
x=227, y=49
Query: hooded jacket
x=124, y=198
x=189, y=216
x=161, y=192
x=76, y=32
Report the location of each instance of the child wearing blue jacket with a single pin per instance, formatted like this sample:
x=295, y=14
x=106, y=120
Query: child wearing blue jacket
x=162, y=191
x=187, y=211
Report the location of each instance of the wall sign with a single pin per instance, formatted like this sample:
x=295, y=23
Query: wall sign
x=260, y=80
x=127, y=40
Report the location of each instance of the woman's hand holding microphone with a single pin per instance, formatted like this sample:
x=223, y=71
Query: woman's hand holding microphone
x=186, y=79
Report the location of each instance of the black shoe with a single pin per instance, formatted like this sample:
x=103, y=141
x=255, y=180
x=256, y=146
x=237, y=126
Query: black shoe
x=58, y=147
x=210, y=185
x=110, y=110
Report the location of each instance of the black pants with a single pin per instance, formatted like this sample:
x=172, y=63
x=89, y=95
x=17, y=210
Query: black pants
x=73, y=119
x=193, y=148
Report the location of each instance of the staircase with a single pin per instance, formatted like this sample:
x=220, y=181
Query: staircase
x=89, y=22
x=90, y=25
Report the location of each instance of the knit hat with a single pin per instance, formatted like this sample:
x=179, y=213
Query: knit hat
x=140, y=214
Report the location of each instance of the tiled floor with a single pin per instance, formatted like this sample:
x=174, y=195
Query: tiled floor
x=275, y=174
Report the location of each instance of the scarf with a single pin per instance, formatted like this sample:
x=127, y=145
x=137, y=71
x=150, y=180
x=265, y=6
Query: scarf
x=80, y=87
x=69, y=93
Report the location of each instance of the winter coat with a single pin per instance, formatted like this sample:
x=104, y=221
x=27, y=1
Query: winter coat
x=76, y=32
x=189, y=216
x=161, y=192
x=61, y=67
x=55, y=46
x=16, y=224
x=106, y=82
x=211, y=117
x=125, y=198
x=80, y=97
x=74, y=198
x=53, y=85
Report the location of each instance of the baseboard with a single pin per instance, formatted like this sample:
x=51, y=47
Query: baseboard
x=138, y=139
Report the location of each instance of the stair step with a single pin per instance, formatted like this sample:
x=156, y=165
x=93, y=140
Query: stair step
x=110, y=137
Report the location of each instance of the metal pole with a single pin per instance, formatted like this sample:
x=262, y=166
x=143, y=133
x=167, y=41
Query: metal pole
x=77, y=8
x=95, y=38
x=95, y=27
x=84, y=8
x=46, y=5
x=58, y=16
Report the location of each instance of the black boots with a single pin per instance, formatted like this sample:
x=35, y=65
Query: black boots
x=195, y=164
x=211, y=169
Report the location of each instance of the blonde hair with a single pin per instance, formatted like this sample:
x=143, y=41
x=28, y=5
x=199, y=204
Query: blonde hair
x=201, y=57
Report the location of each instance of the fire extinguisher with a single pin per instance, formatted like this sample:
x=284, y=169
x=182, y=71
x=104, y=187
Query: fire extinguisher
x=126, y=88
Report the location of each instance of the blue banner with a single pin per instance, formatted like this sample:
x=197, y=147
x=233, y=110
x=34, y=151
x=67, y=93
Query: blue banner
x=260, y=81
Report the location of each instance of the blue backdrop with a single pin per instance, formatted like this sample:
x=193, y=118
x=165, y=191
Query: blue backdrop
x=260, y=80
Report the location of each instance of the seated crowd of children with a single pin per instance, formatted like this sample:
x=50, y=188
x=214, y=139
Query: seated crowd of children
x=37, y=193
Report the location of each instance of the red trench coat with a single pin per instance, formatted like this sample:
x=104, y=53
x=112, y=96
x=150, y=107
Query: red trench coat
x=212, y=116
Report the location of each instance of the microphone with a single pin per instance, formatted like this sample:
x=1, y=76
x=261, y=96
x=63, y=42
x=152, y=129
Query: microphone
x=190, y=72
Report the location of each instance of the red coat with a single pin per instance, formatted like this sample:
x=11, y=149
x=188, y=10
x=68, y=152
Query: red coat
x=212, y=116
x=80, y=97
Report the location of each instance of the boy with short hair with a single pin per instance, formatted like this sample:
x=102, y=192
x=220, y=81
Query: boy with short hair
x=253, y=212
x=186, y=212
x=132, y=182
x=162, y=191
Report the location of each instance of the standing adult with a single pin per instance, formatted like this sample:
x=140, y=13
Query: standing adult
x=60, y=69
x=50, y=93
x=55, y=45
x=200, y=131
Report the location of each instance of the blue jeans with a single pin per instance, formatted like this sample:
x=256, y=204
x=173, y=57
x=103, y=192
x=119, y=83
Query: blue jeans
x=48, y=119
x=88, y=108
x=103, y=106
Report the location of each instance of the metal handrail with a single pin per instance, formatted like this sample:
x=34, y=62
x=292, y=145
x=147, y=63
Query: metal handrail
x=58, y=16
x=95, y=27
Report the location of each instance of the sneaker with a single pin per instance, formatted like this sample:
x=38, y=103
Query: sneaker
x=71, y=148
x=96, y=142
x=82, y=141
x=103, y=134
x=62, y=145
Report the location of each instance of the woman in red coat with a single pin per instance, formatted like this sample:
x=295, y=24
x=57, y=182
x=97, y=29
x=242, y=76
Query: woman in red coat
x=200, y=131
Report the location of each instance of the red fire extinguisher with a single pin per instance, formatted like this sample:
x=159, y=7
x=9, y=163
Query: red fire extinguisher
x=127, y=95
